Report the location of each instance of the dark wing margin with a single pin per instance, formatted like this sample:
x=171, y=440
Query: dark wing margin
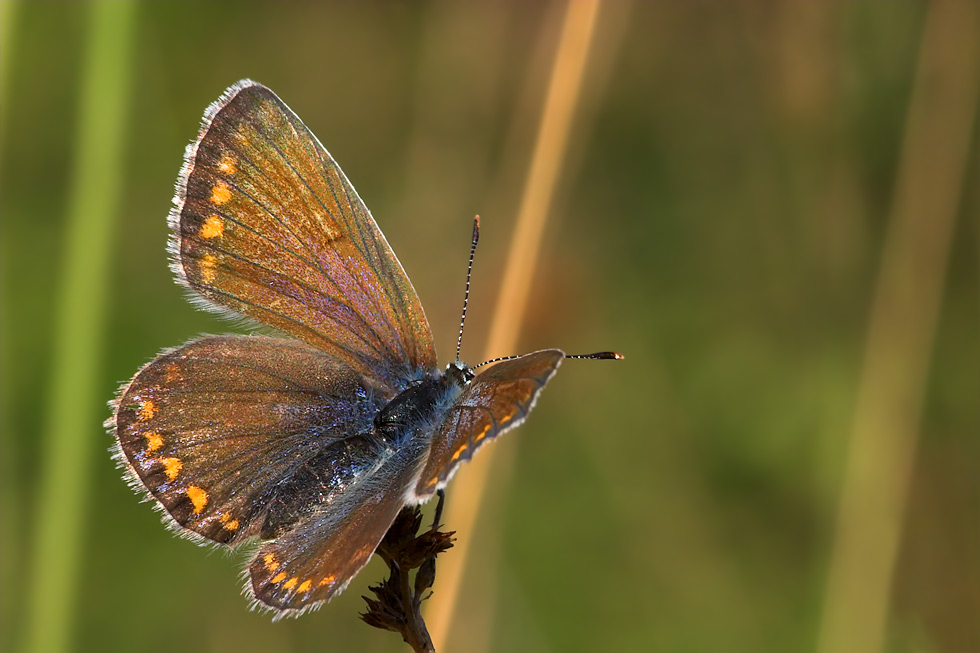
x=267, y=225
x=495, y=401
x=211, y=429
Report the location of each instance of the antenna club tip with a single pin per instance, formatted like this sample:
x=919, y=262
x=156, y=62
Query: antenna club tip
x=599, y=355
x=609, y=355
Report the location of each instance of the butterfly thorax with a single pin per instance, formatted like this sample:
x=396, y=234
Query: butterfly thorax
x=419, y=406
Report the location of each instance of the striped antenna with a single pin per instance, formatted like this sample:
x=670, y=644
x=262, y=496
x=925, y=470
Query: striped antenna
x=469, y=271
x=599, y=355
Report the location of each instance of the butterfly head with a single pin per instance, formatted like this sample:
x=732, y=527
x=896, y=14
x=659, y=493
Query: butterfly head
x=459, y=373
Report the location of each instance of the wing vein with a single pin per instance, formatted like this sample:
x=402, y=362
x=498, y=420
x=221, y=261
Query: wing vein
x=370, y=297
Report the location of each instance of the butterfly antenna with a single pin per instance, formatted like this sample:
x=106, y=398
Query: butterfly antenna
x=495, y=360
x=599, y=355
x=469, y=271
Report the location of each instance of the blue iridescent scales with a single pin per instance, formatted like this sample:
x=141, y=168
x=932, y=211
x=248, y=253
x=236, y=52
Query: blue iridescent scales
x=312, y=442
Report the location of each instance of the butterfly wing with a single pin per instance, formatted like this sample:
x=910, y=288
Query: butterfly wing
x=212, y=429
x=495, y=401
x=317, y=558
x=267, y=225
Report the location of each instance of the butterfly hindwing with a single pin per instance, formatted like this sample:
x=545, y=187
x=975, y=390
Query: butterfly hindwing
x=212, y=429
x=315, y=560
x=267, y=225
x=493, y=402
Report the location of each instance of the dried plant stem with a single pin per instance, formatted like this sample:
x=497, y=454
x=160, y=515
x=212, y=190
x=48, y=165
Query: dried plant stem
x=549, y=154
x=902, y=330
x=399, y=599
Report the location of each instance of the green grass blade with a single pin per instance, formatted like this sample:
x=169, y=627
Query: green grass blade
x=74, y=405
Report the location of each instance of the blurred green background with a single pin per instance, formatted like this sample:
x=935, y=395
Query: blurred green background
x=722, y=217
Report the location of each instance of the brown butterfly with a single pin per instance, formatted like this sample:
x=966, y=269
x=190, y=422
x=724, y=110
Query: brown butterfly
x=311, y=443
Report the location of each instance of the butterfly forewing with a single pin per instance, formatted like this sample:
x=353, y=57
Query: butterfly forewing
x=266, y=224
x=495, y=401
x=212, y=429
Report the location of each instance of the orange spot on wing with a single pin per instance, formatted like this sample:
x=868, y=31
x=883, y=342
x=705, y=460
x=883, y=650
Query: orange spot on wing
x=327, y=580
x=208, y=263
x=227, y=165
x=291, y=583
x=153, y=441
x=228, y=522
x=220, y=193
x=147, y=410
x=269, y=560
x=232, y=525
x=198, y=496
x=305, y=586
x=279, y=577
x=171, y=467
x=213, y=227
x=459, y=452
x=482, y=434
x=364, y=552
x=433, y=481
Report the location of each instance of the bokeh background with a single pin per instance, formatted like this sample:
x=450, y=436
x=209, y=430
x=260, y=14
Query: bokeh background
x=770, y=209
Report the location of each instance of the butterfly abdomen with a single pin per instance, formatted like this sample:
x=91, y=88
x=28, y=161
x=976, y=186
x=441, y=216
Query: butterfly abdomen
x=321, y=480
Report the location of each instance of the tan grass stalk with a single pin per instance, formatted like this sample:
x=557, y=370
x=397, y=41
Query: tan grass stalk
x=551, y=143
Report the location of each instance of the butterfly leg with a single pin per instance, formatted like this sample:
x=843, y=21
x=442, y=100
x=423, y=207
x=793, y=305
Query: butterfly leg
x=437, y=517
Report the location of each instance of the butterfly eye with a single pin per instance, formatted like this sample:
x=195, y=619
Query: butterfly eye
x=459, y=373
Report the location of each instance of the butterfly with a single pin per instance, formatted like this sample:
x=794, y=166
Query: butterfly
x=313, y=442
